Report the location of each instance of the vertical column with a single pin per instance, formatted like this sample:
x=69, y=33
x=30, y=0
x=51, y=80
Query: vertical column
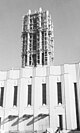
x=40, y=47
x=47, y=40
x=28, y=38
x=40, y=36
x=52, y=42
x=22, y=42
x=28, y=49
x=53, y=103
x=38, y=102
x=63, y=97
x=23, y=59
x=70, y=110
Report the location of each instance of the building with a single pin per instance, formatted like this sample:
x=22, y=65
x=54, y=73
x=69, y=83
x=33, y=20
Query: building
x=39, y=95
x=37, y=39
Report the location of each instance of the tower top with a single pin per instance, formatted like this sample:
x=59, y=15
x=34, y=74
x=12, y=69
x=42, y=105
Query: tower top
x=29, y=12
x=37, y=39
x=40, y=9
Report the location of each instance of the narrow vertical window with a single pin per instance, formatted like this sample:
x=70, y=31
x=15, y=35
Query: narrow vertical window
x=15, y=95
x=29, y=94
x=42, y=58
x=34, y=60
x=1, y=96
x=0, y=122
x=59, y=91
x=30, y=59
x=25, y=60
x=60, y=122
x=76, y=104
x=43, y=93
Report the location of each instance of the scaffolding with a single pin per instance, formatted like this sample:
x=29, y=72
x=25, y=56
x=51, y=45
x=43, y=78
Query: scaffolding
x=37, y=39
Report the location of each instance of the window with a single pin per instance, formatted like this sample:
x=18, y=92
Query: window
x=45, y=57
x=25, y=60
x=76, y=104
x=15, y=95
x=43, y=93
x=34, y=42
x=1, y=96
x=60, y=122
x=38, y=58
x=30, y=60
x=34, y=60
x=0, y=122
x=42, y=58
x=29, y=94
x=59, y=91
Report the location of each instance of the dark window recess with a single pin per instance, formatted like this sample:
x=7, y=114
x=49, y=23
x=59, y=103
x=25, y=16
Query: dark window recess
x=43, y=93
x=15, y=95
x=76, y=104
x=34, y=60
x=1, y=96
x=29, y=94
x=60, y=122
x=0, y=122
x=34, y=42
x=59, y=91
x=30, y=60
x=42, y=58
x=25, y=60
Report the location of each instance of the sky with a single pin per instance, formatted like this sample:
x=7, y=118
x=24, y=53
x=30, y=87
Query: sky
x=66, y=18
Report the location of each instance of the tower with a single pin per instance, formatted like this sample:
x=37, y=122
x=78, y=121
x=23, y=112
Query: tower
x=37, y=39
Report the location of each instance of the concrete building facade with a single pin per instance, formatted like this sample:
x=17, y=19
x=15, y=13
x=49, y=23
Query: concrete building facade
x=37, y=98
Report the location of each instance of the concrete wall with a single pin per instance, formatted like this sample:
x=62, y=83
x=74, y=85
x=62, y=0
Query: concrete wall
x=38, y=116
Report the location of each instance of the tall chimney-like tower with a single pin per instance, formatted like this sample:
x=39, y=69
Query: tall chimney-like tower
x=37, y=39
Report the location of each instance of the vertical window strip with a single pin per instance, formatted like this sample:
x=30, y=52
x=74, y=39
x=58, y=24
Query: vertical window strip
x=15, y=95
x=0, y=122
x=1, y=96
x=59, y=91
x=29, y=94
x=76, y=104
x=60, y=122
x=43, y=93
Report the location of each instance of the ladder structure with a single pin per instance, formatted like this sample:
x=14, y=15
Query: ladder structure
x=37, y=39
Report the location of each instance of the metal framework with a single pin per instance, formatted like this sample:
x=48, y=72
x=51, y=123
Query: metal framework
x=37, y=39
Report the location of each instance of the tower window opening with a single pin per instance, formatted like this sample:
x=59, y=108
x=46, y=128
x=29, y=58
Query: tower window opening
x=34, y=60
x=30, y=45
x=38, y=58
x=42, y=58
x=30, y=59
x=45, y=57
x=34, y=42
x=25, y=60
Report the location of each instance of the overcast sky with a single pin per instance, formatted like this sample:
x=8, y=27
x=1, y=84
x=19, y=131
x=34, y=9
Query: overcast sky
x=66, y=19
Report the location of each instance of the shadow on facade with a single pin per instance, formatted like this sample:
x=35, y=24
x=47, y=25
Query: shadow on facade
x=37, y=118
x=21, y=119
x=8, y=119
